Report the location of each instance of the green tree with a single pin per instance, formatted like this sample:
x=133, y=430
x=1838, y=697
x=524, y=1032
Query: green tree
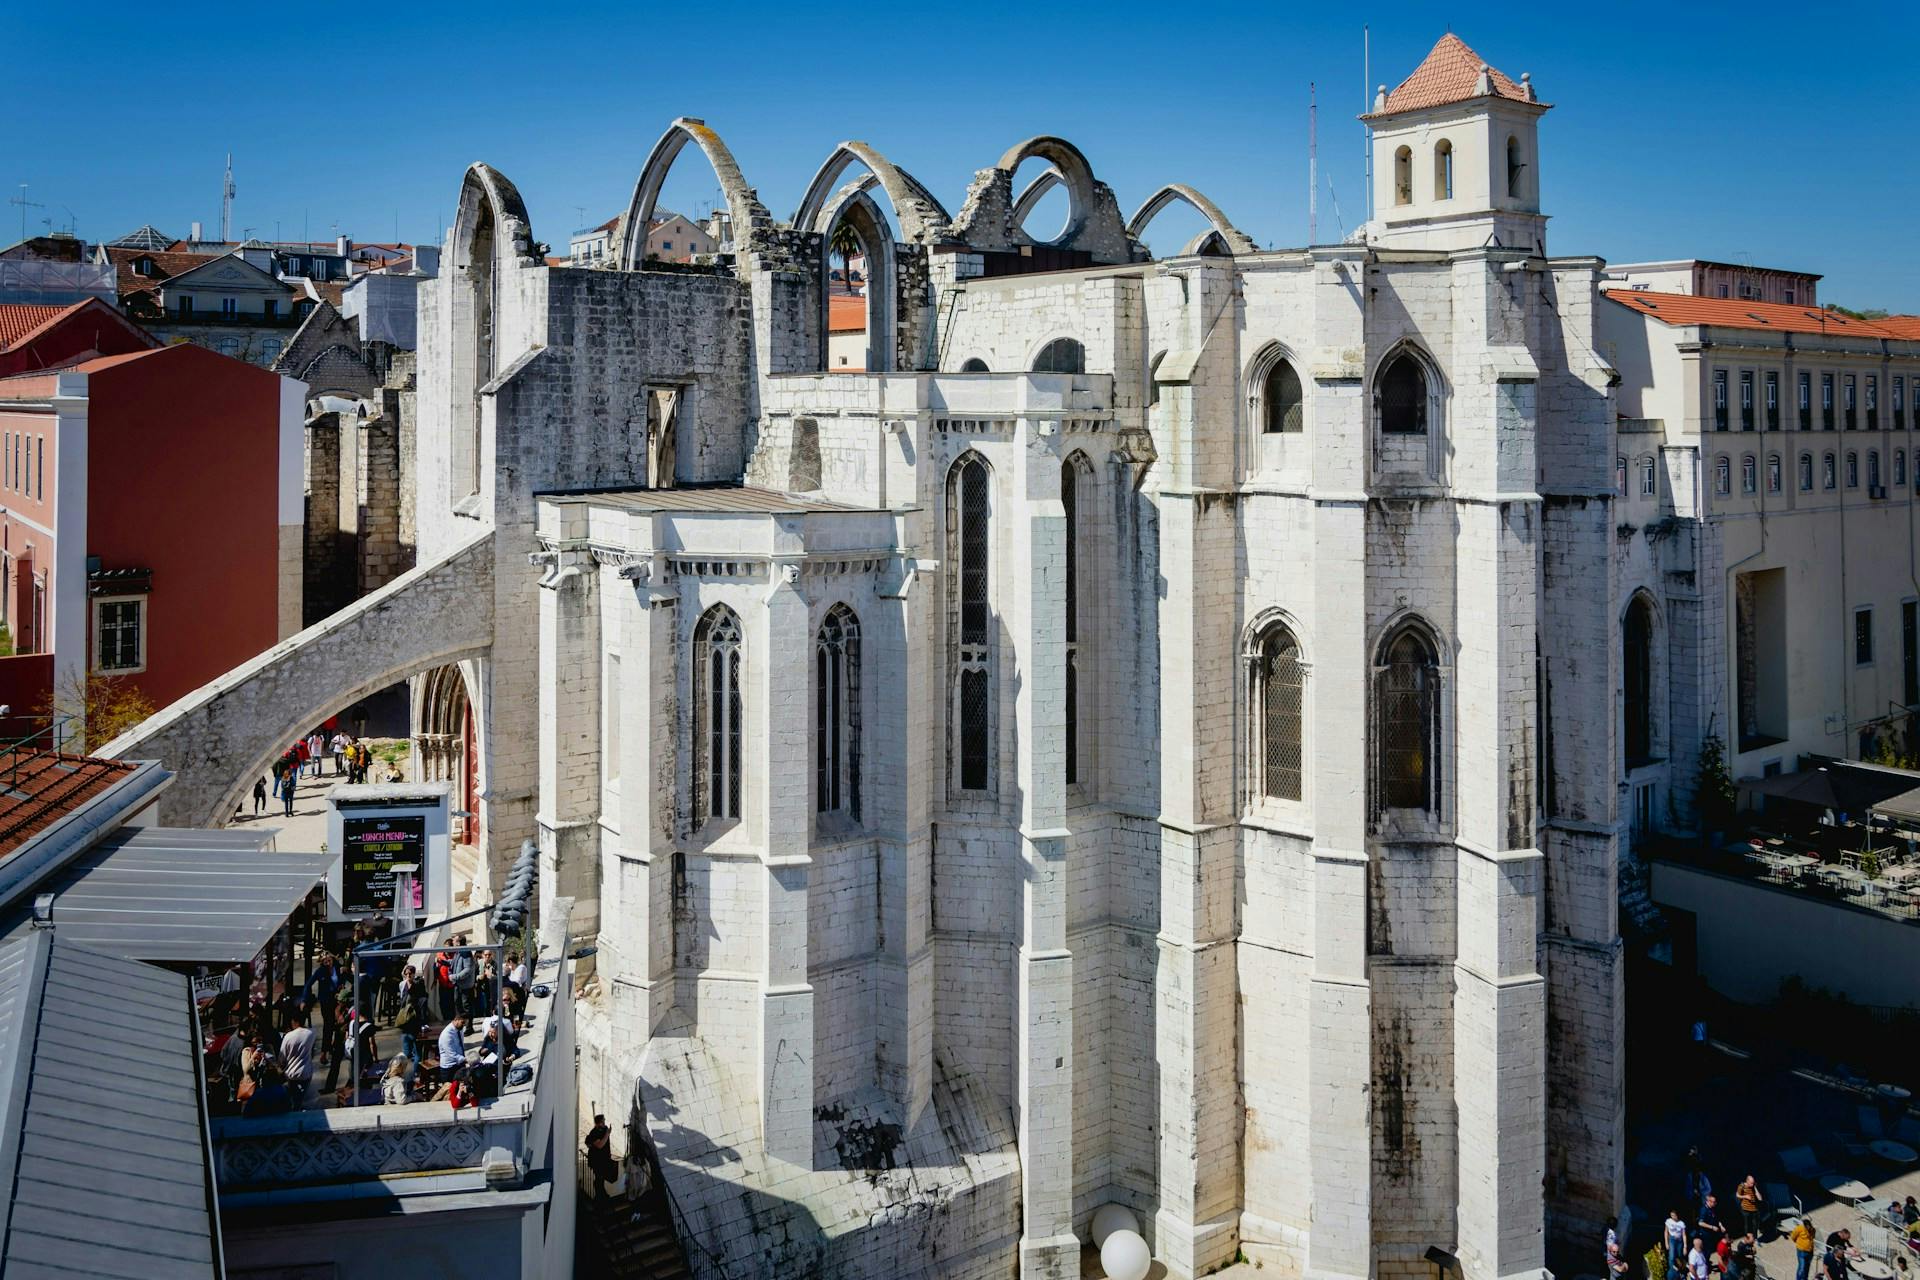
x=845, y=245
x=1716, y=784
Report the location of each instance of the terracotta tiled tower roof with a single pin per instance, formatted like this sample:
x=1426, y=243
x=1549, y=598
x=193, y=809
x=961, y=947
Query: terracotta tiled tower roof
x=1450, y=73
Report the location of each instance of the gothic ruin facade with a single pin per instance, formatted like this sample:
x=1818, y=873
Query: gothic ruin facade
x=1144, y=740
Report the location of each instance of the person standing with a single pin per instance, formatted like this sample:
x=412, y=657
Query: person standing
x=1674, y=1233
x=600, y=1157
x=460, y=969
x=322, y=989
x=1836, y=1262
x=1747, y=1194
x=339, y=745
x=1697, y=1268
x=1803, y=1240
x=296, y=1052
x=1709, y=1222
x=259, y=796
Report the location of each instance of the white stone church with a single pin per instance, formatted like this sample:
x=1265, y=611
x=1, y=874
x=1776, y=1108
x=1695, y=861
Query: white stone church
x=1148, y=739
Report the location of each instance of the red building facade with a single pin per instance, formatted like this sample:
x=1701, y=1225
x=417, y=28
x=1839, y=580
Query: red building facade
x=150, y=513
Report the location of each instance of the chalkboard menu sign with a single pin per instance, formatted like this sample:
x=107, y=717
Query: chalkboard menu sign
x=372, y=847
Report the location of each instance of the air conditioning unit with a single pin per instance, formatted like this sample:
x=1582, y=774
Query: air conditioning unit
x=1876, y=491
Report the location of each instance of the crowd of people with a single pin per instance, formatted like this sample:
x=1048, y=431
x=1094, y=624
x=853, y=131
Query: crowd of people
x=353, y=760
x=1721, y=1242
x=269, y=1061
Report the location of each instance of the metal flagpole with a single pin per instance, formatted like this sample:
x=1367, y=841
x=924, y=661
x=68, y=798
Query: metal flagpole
x=1313, y=166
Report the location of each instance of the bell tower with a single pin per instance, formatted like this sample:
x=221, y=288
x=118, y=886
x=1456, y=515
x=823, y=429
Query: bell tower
x=1456, y=156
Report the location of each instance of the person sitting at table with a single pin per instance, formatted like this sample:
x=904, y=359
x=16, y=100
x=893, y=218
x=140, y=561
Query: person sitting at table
x=1835, y=1262
x=395, y=1087
x=1910, y=1213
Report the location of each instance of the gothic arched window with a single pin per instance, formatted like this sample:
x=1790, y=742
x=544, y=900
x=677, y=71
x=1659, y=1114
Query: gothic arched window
x=1283, y=405
x=1062, y=355
x=1637, y=635
x=836, y=714
x=1276, y=692
x=717, y=716
x=969, y=520
x=1407, y=711
x=1403, y=396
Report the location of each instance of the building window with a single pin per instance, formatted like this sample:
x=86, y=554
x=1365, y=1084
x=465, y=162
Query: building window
x=836, y=720
x=1773, y=401
x=717, y=716
x=1873, y=468
x=1826, y=402
x=1648, y=478
x=1746, y=399
x=1062, y=355
x=1873, y=401
x=1899, y=402
x=270, y=308
x=229, y=306
x=183, y=307
x=1637, y=663
x=1403, y=176
x=1773, y=473
x=1806, y=473
x=1283, y=409
x=1826, y=471
x=1443, y=170
x=1853, y=469
x=1748, y=477
x=969, y=515
x=143, y=267
x=1848, y=403
x=119, y=637
x=1514, y=167
x=1789, y=297
x=1723, y=475
x=1076, y=496
x=1277, y=714
x=1719, y=399
x=1403, y=397
x=1806, y=401
x=1620, y=475
x=1407, y=702
x=1863, y=637
x=1900, y=466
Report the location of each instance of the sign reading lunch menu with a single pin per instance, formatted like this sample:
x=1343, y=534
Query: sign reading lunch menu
x=371, y=847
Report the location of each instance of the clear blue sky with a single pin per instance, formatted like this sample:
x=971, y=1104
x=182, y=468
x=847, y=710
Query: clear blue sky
x=1760, y=133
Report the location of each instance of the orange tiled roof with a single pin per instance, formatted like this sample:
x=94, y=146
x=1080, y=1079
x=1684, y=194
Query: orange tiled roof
x=38, y=788
x=19, y=319
x=1450, y=73
x=1779, y=317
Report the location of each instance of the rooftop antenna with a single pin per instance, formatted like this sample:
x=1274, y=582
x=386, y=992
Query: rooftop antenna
x=1366, y=105
x=24, y=204
x=226, y=203
x=1313, y=167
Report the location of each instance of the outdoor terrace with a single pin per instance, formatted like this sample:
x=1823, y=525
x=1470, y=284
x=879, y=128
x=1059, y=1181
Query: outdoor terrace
x=334, y=1151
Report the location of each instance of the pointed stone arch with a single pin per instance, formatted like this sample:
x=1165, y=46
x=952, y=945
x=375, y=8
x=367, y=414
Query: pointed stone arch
x=862, y=212
x=1029, y=200
x=750, y=217
x=489, y=202
x=1094, y=225
x=922, y=218
x=1235, y=240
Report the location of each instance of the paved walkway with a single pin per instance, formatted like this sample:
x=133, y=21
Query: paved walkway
x=306, y=830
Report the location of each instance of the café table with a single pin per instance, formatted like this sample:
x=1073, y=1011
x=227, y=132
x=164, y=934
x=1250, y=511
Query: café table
x=1895, y=1152
x=1870, y=1268
x=1841, y=1187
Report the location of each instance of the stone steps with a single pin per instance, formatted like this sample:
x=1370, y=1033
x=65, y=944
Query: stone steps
x=637, y=1238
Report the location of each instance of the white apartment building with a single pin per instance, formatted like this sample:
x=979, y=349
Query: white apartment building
x=1765, y=475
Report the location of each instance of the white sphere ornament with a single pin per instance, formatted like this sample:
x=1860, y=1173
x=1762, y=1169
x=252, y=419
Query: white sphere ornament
x=1110, y=1218
x=1125, y=1256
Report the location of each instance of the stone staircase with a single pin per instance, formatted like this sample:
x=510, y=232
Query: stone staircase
x=636, y=1237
